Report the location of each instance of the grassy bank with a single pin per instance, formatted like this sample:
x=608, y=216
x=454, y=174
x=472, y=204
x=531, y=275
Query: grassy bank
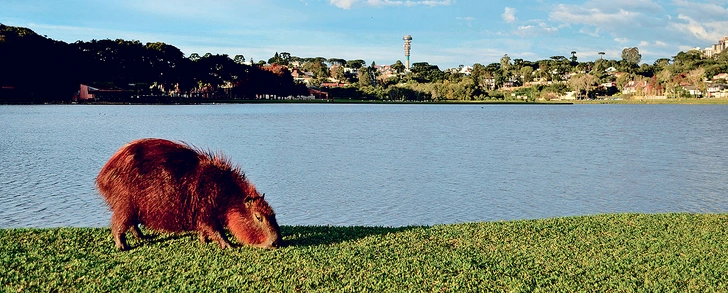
x=618, y=253
x=680, y=101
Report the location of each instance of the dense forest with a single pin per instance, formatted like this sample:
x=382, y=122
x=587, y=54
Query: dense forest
x=36, y=69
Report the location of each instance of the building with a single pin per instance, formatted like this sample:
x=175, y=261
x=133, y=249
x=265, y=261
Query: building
x=88, y=93
x=716, y=49
x=407, y=48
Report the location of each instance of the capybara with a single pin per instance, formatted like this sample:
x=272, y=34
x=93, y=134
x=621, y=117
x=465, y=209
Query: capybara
x=172, y=187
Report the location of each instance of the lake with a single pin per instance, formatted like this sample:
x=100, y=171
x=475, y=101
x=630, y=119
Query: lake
x=385, y=165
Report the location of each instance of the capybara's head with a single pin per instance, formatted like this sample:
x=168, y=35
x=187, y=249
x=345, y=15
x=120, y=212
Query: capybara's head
x=253, y=222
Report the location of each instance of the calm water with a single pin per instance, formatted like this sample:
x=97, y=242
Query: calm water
x=390, y=165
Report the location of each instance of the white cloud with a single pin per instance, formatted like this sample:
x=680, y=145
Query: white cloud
x=703, y=11
x=533, y=30
x=591, y=16
x=708, y=31
x=616, y=17
x=347, y=4
x=509, y=15
x=680, y=23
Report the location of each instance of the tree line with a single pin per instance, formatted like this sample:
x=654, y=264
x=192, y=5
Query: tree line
x=38, y=69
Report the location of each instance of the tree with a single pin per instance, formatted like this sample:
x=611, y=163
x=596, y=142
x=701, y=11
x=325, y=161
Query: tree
x=544, y=70
x=695, y=77
x=526, y=72
x=317, y=67
x=583, y=82
x=478, y=75
x=632, y=55
x=601, y=55
x=239, y=59
x=573, y=58
x=276, y=59
x=666, y=78
x=661, y=62
x=505, y=62
x=336, y=61
x=365, y=77
x=559, y=66
x=398, y=66
x=194, y=57
x=686, y=61
x=337, y=72
x=355, y=64
x=427, y=72
x=285, y=58
x=722, y=57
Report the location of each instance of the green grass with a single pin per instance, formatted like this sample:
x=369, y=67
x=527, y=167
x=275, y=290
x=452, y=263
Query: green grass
x=603, y=253
x=680, y=101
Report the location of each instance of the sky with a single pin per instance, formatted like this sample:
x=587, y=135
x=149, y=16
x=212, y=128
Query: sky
x=447, y=33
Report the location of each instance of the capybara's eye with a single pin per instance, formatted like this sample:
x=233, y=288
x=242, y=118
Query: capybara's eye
x=257, y=217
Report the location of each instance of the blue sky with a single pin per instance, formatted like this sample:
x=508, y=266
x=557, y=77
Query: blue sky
x=445, y=32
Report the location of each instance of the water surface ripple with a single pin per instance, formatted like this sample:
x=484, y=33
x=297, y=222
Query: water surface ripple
x=390, y=165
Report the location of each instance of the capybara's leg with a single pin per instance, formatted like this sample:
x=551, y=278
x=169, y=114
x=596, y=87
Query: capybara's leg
x=203, y=237
x=119, y=225
x=137, y=232
x=207, y=230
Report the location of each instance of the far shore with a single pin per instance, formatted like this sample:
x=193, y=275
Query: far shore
x=634, y=100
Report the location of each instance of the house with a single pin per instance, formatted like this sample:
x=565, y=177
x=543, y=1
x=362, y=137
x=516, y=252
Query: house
x=634, y=87
x=466, y=70
x=607, y=85
x=353, y=71
x=301, y=76
x=693, y=90
x=717, y=90
x=723, y=76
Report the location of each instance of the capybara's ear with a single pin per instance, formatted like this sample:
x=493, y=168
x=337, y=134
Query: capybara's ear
x=248, y=202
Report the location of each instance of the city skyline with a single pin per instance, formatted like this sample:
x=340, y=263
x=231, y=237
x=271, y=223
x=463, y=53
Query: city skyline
x=449, y=32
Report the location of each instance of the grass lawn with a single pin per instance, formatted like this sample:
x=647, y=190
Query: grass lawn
x=680, y=101
x=602, y=253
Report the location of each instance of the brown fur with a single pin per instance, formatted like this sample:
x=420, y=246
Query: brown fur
x=167, y=186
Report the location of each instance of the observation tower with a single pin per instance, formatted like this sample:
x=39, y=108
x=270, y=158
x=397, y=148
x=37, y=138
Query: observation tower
x=407, y=46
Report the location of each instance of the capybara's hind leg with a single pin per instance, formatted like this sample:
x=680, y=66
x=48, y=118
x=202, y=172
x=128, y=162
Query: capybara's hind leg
x=119, y=225
x=209, y=232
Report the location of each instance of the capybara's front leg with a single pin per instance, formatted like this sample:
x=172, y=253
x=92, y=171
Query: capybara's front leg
x=138, y=232
x=208, y=232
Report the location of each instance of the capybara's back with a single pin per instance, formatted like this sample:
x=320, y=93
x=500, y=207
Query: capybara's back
x=172, y=187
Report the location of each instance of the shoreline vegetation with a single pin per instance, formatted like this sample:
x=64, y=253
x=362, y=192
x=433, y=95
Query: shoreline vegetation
x=39, y=70
x=599, y=253
x=647, y=101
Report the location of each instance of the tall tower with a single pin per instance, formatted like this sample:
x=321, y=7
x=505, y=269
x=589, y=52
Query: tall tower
x=407, y=46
